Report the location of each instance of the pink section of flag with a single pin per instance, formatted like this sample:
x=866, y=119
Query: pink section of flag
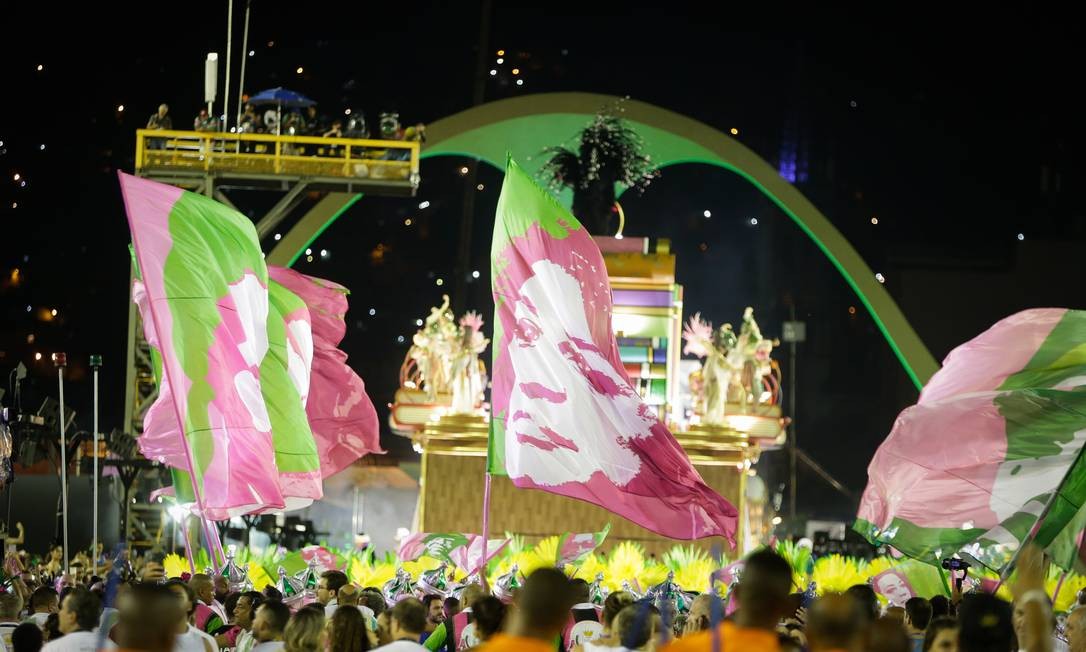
x=340, y=413
x=984, y=362
x=469, y=558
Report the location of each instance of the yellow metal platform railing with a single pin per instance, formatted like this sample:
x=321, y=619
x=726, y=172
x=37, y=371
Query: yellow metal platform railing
x=268, y=154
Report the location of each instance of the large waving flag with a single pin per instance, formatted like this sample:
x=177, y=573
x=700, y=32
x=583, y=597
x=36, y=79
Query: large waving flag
x=565, y=417
x=244, y=351
x=992, y=451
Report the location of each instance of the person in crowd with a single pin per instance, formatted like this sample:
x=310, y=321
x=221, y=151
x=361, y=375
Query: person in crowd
x=209, y=615
x=222, y=591
x=159, y=121
x=27, y=637
x=189, y=637
x=917, y=617
x=612, y=605
x=51, y=629
x=985, y=623
x=76, y=620
x=350, y=595
x=55, y=565
x=336, y=130
x=762, y=596
x=699, y=618
x=584, y=621
x=312, y=123
x=373, y=600
x=834, y=622
x=942, y=635
x=248, y=115
x=204, y=122
x=328, y=587
x=384, y=630
x=635, y=626
x=865, y=597
x=270, y=625
x=489, y=617
x=229, y=604
x=148, y=617
x=406, y=623
x=43, y=601
x=347, y=632
x=244, y=610
x=1075, y=630
x=305, y=631
x=940, y=606
x=887, y=635
x=435, y=614
x=463, y=623
x=897, y=614
x=542, y=609
x=11, y=605
x=272, y=594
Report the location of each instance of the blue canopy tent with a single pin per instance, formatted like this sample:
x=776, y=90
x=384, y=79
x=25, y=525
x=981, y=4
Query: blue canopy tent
x=281, y=97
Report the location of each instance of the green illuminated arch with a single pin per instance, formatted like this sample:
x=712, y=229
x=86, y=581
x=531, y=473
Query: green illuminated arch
x=524, y=126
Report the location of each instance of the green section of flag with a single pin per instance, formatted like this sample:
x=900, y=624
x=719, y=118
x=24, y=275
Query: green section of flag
x=295, y=449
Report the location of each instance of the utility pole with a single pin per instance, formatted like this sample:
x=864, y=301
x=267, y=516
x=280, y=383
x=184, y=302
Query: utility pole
x=793, y=332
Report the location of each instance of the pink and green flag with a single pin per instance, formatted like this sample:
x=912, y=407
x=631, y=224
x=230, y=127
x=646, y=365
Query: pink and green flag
x=992, y=451
x=238, y=354
x=464, y=551
x=575, y=548
x=565, y=418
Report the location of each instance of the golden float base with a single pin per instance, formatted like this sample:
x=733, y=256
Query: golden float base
x=453, y=476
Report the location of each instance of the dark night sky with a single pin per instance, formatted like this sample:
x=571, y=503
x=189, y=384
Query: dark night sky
x=961, y=126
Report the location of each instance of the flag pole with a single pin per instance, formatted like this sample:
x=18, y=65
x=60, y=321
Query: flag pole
x=1059, y=585
x=60, y=360
x=188, y=544
x=486, y=526
x=96, y=363
x=215, y=544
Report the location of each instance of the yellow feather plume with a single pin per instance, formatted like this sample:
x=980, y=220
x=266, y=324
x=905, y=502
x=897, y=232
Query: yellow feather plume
x=588, y=570
x=1068, y=590
x=175, y=565
x=834, y=574
x=258, y=576
x=626, y=563
x=364, y=574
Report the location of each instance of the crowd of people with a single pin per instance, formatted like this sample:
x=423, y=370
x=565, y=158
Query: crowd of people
x=295, y=122
x=42, y=607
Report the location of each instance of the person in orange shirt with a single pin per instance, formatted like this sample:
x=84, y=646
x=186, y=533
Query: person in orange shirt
x=542, y=608
x=762, y=596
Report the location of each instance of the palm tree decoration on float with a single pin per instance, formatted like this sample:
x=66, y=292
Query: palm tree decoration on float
x=609, y=153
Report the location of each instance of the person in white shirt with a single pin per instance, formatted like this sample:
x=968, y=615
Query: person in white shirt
x=77, y=619
x=406, y=622
x=189, y=638
x=10, y=606
x=43, y=601
x=269, y=626
x=328, y=587
x=349, y=595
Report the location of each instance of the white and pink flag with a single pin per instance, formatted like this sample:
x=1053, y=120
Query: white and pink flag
x=565, y=416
